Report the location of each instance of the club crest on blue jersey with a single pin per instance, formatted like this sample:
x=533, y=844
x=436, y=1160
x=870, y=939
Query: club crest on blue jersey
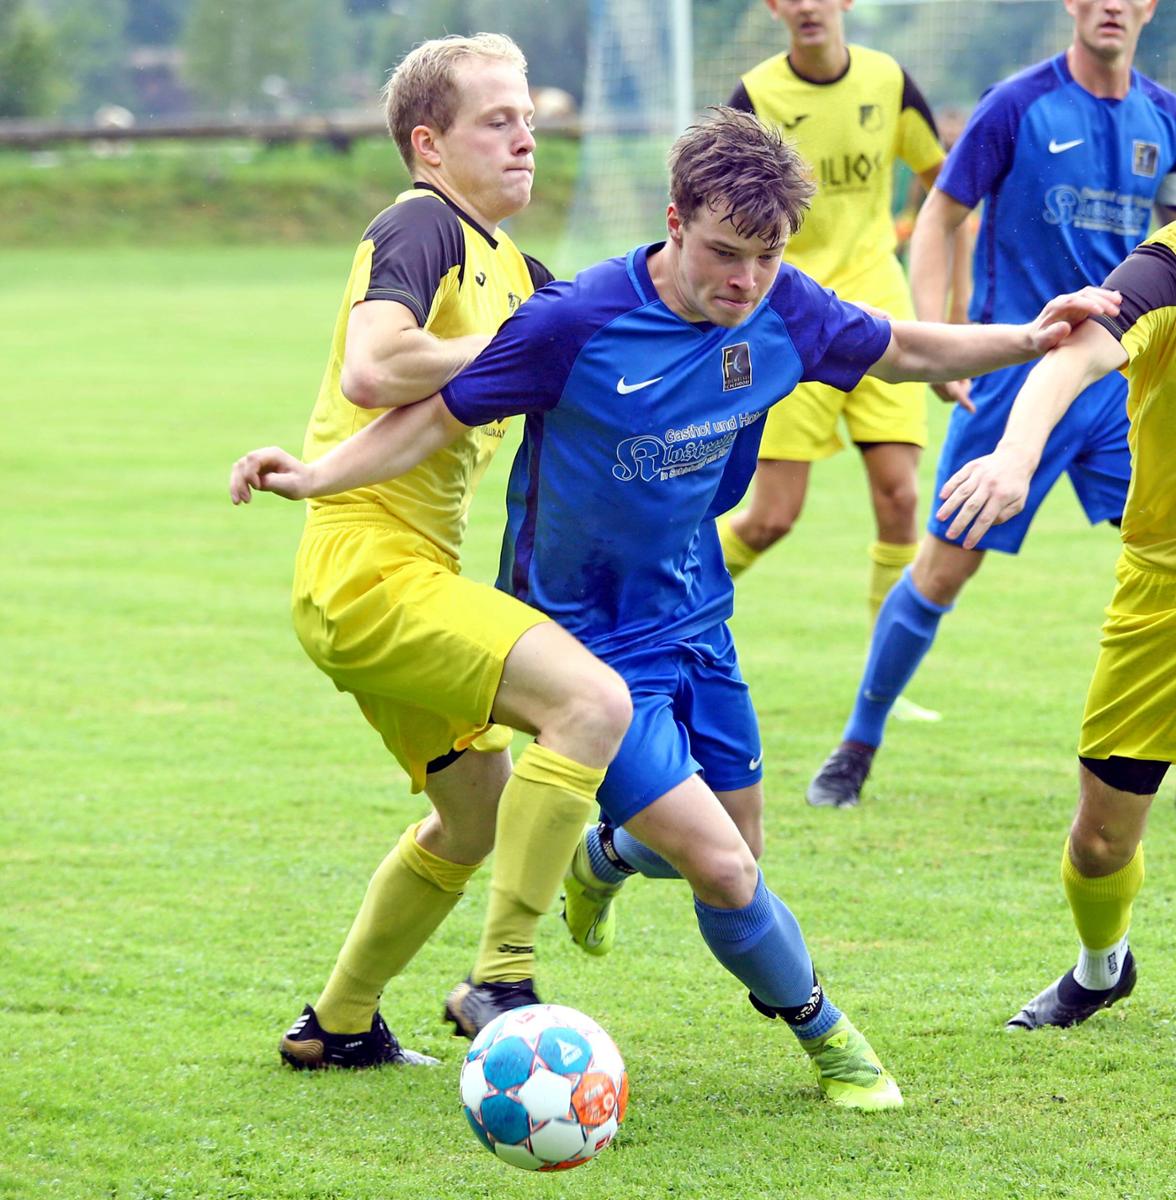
x=1145, y=158
x=736, y=366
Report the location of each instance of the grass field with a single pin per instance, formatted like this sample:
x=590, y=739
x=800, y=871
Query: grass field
x=191, y=813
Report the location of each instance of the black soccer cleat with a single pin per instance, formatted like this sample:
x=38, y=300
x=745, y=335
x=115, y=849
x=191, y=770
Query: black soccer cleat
x=1065, y=1003
x=307, y=1046
x=472, y=1006
x=838, y=784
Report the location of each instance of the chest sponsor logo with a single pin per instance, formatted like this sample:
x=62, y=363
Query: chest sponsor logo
x=870, y=117
x=795, y=121
x=480, y=279
x=1098, y=209
x=1145, y=157
x=1056, y=147
x=848, y=172
x=678, y=451
x=736, y=366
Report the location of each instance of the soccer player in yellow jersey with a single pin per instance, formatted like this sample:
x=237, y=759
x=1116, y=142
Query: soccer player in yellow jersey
x=853, y=113
x=379, y=603
x=1128, y=737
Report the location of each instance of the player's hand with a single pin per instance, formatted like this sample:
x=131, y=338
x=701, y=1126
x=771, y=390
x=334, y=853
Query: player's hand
x=1057, y=319
x=270, y=469
x=985, y=492
x=958, y=391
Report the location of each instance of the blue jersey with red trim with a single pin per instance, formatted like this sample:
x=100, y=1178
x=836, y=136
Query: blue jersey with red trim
x=641, y=428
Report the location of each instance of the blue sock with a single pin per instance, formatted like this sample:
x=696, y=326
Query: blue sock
x=762, y=946
x=902, y=636
x=614, y=855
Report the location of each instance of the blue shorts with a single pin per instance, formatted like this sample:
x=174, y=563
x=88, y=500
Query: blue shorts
x=692, y=713
x=1089, y=443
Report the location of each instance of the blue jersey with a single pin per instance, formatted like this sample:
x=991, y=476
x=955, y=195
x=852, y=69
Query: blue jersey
x=1068, y=182
x=641, y=428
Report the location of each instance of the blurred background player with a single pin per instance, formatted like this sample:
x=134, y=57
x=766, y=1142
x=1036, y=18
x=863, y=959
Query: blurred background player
x=379, y=603
x=1128, y=737
x=1069, y=157
x=854, y=114
x=709, y=329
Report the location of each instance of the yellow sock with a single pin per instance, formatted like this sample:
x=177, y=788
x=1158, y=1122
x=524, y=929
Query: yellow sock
x=887, y=560
x=540, y=817
x=410, y=894
x=1102, y=906
x=737, y=554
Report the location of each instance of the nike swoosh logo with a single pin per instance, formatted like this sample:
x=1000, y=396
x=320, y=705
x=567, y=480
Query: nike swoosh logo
x=625, y=388
x=1056, y=147
x=755, y=762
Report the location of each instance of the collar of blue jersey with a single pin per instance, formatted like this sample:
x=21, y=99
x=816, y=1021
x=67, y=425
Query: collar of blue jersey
x=1062, y=66
x=637, y=268
x=465, y=216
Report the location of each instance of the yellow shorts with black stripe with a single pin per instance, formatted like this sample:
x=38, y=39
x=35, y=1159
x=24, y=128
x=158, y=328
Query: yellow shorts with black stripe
x=1131, y=705
x=386, y=616
x=804, y=426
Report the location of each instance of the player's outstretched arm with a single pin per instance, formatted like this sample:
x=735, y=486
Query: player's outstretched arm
x=935, y=352
x=392, y=444
x=992, y=489
x=389, y=361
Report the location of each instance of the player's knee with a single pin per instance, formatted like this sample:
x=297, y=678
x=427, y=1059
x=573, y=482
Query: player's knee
x=726, y=877
x=766, y=529
x=896, y=504
x=597, y=711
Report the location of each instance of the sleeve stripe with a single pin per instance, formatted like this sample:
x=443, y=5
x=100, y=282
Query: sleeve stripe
x=741, y=100
x=913, y=98
x=1147, y=281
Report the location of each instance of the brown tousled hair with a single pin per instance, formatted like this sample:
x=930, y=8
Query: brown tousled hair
x=423, y=91
x=732, y=164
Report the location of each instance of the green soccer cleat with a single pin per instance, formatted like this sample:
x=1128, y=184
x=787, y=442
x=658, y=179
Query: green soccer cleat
x=849, y=1072
x=908, y=710
x=588, y=910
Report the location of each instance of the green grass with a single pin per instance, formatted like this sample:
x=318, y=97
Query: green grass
x=190, y=815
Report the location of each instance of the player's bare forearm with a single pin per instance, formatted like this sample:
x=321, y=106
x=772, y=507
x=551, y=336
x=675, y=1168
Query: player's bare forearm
x=934, y=352
x=394, y=443
x=389, y=361
x=932, y=245
x=391, y=445
x=990, y=490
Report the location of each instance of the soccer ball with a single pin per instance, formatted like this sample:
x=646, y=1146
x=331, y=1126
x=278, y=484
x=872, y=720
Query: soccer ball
x=544, y=1087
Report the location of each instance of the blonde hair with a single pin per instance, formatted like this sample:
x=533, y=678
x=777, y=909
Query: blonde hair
x=423, y=89
x=734, y=165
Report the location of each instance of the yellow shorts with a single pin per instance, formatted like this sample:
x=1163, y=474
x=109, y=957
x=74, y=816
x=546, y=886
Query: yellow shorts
x=1131, y=705
x=386, y=615
x=803, y=427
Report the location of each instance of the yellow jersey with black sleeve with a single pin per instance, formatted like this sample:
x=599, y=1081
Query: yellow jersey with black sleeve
x=851, y=131
x=427, y=254
x=1146, y=326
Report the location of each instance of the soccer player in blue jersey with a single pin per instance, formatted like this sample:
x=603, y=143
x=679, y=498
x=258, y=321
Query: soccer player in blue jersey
x=644, y=383
x=1069, y=157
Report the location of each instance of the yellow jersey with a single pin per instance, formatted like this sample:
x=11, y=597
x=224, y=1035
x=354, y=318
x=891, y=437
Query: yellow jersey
x=851, y=131
x=425, y=253
x=1146, y=326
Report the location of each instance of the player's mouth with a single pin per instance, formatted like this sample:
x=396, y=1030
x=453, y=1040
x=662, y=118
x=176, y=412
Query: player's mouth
x=732, y=303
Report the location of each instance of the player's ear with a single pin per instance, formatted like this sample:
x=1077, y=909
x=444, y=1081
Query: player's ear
x=424, y=146
x=674, y=224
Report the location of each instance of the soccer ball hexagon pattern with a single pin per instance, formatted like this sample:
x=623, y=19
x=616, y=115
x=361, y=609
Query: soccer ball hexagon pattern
x=544, y=1087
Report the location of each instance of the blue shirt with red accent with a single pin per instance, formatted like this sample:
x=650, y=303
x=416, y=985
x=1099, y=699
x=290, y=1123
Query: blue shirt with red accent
x=641, y=428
